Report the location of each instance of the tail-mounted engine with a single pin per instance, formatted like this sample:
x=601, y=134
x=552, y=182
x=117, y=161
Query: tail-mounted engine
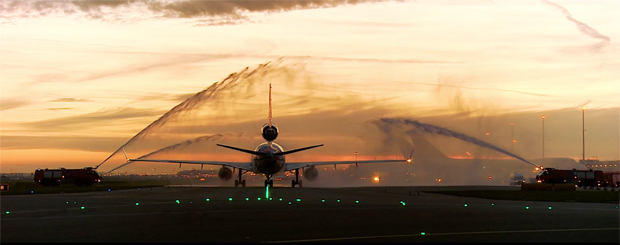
x=311, y=173
x=224, y=173
x=270, y=133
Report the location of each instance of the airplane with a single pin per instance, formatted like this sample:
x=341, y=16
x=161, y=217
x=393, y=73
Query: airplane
x=268, y=159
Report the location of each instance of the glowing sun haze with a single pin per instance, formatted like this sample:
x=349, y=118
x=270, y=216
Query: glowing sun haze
x=81, y=78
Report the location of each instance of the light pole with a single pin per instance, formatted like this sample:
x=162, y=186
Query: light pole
x=512, y=137
x=543, y=136
x=583, y=133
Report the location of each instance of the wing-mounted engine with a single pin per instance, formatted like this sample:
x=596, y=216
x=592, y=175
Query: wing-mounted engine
x=270, y=133
x=311, y=173
x=224, y=173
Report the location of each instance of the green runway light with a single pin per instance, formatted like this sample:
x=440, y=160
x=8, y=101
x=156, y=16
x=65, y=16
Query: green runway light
x=7, y=212
x=357, y=201
x=259, y=198
x=208, y=199
x=338, y=200
x=270, y=199
x=67, y=202
x=178, y=202
x=230, y=199
x=422, y=233
x=82, y=207
x=280, y=199
x=492, y=204
x=298, y=199
x=247, y=198
x=465, y=205
x=74, y=202
x=289, y=203
x=403, y=203
x=549, y=207
x=616, y=207
x=323, y=200
x=527, y=207
x=137, y=204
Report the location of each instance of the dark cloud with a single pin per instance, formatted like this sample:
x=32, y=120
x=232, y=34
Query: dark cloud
x=231, y=10
x=583, y=27
x=70, y=100
x=7, y=104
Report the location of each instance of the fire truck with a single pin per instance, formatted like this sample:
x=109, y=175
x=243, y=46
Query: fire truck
x=581, y=178
x=54, y=177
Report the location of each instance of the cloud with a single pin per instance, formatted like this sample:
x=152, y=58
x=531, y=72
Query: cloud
x=70, y=100
x=583, y=27
x=60, y=109
x=102, y=117
x=116, y=10
x=7, y=104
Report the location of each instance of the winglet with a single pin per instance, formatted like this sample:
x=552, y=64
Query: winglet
x=269, y=105
x=124, y=152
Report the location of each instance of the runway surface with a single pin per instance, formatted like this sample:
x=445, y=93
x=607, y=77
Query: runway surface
x=360, y=214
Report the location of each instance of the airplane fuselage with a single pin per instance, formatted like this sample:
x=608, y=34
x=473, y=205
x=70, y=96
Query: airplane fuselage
x=268, y=164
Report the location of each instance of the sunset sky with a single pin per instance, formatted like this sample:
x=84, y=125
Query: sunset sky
x=81, y=78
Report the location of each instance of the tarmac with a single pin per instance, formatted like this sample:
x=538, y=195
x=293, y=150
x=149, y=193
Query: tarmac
x=309, y=214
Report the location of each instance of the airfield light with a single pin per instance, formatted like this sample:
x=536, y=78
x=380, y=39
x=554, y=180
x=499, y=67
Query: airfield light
x=259, y=198
x=280, y=199
x=137, y=204
x=270, y=199
x=138, y=188
x=82, y=207
x=549, y=207
x=67, y=202
x=357, y=201
x=31, y=192
x=338, y=200
x=108, y=189
x=208, y=199
x=322, y=200
x=490, y=177
x=492, y=204
x=7, y=212
x=465, y=205
x=422, y=233
x=408, y=160
x=376, y=179
x=178, y=202
x=403, y=203
x=74, y=202
x=230, y=199
x=247, y=199
x=526, y=207
x=298, y=199
x=289, y=203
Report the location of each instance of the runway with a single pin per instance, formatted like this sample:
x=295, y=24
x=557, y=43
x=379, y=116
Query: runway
x=358, y=214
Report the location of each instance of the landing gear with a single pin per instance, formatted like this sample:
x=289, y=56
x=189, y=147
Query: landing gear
x=268, y=181
x=296, y=181
x=240, y=182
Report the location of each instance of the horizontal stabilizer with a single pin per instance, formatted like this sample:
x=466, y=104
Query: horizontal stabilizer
x=244, y=150
x=297, y=150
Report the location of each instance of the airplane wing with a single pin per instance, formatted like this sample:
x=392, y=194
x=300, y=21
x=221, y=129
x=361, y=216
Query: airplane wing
x=297, y=165
x=239, y=165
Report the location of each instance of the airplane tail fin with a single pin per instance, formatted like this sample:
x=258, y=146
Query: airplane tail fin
x=269, y=117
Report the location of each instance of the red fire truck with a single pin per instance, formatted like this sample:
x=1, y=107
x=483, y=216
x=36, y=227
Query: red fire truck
x=579, y=177
x=54, y=177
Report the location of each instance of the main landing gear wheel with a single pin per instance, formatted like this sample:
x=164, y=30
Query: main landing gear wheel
x=240, y=183
x=295, y=182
